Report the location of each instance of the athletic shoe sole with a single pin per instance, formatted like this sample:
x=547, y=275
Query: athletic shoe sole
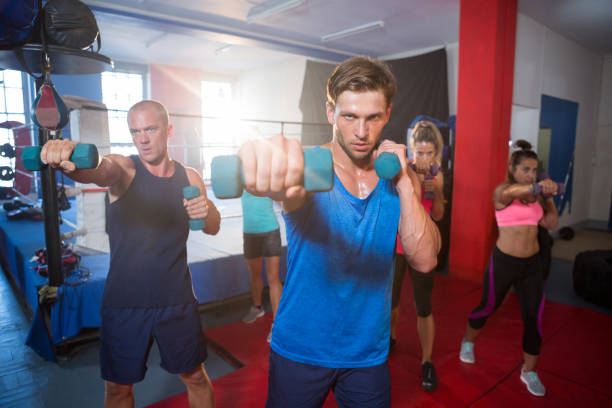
x=530, y=391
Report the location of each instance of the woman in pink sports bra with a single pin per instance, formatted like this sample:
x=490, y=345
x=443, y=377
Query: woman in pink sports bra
x=515, y=260
x=427, y=144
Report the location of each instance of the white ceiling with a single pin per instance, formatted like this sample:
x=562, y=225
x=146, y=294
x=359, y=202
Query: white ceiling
x=193, y=32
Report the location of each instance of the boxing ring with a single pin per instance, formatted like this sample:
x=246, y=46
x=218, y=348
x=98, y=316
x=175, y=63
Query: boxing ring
x=216, y=263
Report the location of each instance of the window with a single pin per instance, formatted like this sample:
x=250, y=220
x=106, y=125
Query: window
x=120, y=90
x=11, y=109
x=216, y=123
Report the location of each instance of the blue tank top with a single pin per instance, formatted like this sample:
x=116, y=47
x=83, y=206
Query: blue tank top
x=148, y=229
x=336, y=301
x=257, y=214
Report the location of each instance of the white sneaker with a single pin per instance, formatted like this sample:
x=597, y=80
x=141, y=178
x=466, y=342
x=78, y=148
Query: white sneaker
x=269, y=338
x=467, y=352
x=534, y=385
x=253, y=314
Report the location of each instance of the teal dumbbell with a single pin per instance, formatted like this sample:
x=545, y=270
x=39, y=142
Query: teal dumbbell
x=190, y=192
x=387, y=165
x=84, y=156
x=228, y=178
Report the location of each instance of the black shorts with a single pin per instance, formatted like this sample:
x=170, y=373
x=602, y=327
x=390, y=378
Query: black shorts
x=422, y=286
x=265, y=244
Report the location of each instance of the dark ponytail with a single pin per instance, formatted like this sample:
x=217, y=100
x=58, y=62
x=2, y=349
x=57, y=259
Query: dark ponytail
x=522, y=150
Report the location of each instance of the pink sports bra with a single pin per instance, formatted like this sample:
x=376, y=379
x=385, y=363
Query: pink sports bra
x=517, y=213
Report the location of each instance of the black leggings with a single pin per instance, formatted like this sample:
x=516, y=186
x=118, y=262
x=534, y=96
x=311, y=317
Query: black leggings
x=422, y=285
x=525, y=274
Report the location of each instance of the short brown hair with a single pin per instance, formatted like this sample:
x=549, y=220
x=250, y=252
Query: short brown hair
x=156, y=105
x=361, y=74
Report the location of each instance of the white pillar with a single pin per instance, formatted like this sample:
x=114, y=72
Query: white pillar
x=89, y=124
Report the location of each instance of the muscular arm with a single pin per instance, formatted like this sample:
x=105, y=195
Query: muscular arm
x=113, y=170
x=107, y=174
x=419, y=235
x=202, y=206
x=551, y=215
x=505, y=193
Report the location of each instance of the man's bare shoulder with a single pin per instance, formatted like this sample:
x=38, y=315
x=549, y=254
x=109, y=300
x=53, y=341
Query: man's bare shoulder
x=121, y=160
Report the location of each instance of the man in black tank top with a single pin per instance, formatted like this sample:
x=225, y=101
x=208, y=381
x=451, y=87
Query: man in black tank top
x=148, y=293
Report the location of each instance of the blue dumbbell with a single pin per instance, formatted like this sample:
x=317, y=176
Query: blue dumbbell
x=190, y=192
x=387, y=165
x=228, y=179
x=84, y=156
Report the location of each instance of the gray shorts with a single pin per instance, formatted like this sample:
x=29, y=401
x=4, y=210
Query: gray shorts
x=266, y=244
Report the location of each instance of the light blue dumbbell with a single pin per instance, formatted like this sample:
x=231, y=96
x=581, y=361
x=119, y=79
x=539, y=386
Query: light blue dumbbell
x=84, y=156
x=190, y=192
x=387, y=165
x=228, y=179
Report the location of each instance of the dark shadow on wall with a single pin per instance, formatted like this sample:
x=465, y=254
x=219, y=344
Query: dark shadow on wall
x=315, y=130
x=422, y=89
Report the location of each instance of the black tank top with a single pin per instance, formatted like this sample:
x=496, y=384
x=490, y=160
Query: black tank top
x=148, y=229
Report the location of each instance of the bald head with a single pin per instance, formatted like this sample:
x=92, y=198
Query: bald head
x=155, y=106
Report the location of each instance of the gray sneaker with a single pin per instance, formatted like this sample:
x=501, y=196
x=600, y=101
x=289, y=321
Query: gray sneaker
x=467, y=352
x=534, y=385
x=253, y=314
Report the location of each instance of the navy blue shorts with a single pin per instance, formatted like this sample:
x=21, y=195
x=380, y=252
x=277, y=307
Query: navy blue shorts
x=127, y=335
x=298, y=385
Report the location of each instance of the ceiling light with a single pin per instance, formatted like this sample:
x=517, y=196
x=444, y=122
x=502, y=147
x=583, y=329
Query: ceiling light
x=223, y=49
x=271, y=8
x=354, y=30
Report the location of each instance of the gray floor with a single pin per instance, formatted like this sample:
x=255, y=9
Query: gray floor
x=26, y=380
x=559, y=287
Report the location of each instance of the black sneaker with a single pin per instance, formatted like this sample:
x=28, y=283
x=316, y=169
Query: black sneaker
x=392, y=342
x=430, y=380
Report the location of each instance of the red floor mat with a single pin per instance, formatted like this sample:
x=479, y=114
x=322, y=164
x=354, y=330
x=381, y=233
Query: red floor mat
x=573, y=366
x=581, y=351
x=459, y=384
x=559, y=393
x=246, y=387
x=245, y=342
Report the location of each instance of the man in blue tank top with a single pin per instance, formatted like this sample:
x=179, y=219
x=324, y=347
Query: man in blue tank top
x=148, y=293
x=331, y=331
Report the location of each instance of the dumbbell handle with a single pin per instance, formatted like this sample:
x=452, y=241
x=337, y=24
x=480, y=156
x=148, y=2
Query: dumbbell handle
x=228, y=178
x=537, y=189
x=433, y=169
x=84, y=156
x=387, y=166
x=189, y=193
